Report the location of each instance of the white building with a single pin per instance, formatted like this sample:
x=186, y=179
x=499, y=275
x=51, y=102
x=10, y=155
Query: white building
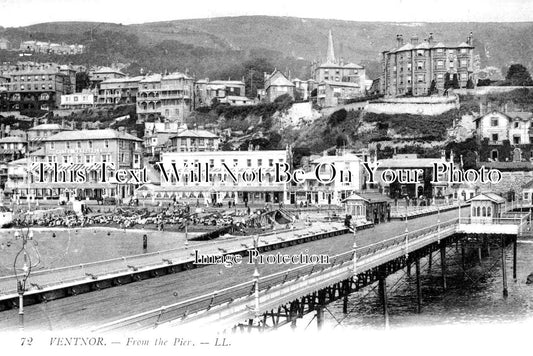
x=215, y=182
x=498, y=126
x=330, y=180
x=77, y=101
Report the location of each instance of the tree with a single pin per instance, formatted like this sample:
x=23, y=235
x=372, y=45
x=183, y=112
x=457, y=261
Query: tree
x=470, y=84
x=455, y=81
x=433, y=87
x=447, y=81
x=82, y=81
x=518, y=75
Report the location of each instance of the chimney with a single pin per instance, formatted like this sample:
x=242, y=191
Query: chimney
x=399, y=40
x=430, y=38
x=414, y=40
x=470, y=38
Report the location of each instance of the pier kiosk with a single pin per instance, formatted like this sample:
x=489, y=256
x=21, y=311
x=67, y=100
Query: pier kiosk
x=374, y=208
x=486, y=207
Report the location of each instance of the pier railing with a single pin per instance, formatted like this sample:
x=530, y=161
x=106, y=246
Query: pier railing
x=227, y=296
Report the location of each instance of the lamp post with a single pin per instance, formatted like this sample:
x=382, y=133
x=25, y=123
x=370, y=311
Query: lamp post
x=26, y=269
x=354, y=253
x=186, y=232
x=256, y=276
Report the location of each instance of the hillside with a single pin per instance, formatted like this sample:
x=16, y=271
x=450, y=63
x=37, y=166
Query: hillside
x=213, y=47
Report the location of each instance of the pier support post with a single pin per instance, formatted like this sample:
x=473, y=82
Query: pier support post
x=383, y=296
x=514, y=258
x=480, y=257
x=443, y=263
x=408, y=269
x=430, y=260
x=418, y=287
x=320, y=309
x=504, y=269
x=319, y=316
x=463, y=264
x=345, y=304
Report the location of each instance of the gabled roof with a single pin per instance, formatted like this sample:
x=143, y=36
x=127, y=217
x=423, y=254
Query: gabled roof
x=367, y=197
x=464, y=45
x=195, y=134
x=353, y=66
x=528, y=185
x=282, y=81
x=488, y=196
x=405, y=47
x=91, y=135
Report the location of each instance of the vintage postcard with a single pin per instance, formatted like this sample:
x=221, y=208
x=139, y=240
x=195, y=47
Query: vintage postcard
x=208, y=177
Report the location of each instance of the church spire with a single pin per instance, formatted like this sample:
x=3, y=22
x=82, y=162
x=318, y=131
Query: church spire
x=331, y=52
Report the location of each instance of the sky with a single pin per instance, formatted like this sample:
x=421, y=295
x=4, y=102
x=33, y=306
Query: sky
x=14, y=13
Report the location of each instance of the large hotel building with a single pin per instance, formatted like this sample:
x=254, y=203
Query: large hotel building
x=410, y=68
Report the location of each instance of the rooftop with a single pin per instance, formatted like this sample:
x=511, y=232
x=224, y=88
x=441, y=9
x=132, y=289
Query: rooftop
x=13, y=139
x=46, y=127
x=195, y=134
x=92, y=135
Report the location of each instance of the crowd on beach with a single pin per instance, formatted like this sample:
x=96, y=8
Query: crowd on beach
x=125, y=217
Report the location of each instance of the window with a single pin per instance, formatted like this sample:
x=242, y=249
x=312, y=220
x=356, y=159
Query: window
x=464, y=77
x=439, y=77
x=439, y=50
x=440, y=63
x=136, y=159
x=420, y=52
x=419, y=65
x=408, y=79
x=248, y=162
x=271, y=163
x=68, y=145
x=463, y=63
x=516, y=140
x=408, y=66
x=451, y=52
x=65, y=159
x=495, y=137
x=259, y=162
x=122, y=158
x=106, y=143
x=78, y=144
x=88, y=159
x=420, y=78
x=52, y=145
x=78, y=159
x=452, y=64
x=90, y=144
x=463, y=50
x=516, y=125
x=235, y=162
